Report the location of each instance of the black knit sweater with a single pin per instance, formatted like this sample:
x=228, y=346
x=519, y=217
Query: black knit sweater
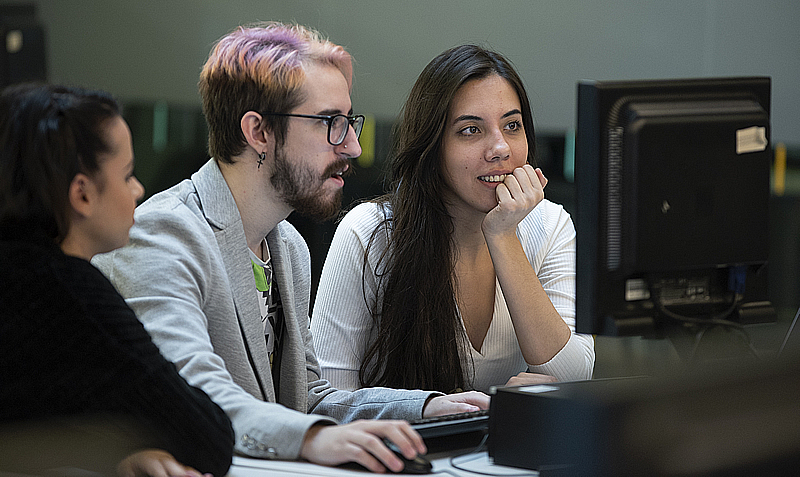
x=70, y=346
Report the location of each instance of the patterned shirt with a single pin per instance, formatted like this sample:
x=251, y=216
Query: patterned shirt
x=269, y=303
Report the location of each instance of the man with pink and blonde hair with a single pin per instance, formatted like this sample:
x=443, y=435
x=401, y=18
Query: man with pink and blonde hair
x=222, y=281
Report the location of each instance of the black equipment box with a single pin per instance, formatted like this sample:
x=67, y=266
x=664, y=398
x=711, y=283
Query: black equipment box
x=708, y=423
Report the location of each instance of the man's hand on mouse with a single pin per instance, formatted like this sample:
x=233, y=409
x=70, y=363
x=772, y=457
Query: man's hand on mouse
x=362, y=442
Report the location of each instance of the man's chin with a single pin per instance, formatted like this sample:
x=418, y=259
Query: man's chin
x=318, y=209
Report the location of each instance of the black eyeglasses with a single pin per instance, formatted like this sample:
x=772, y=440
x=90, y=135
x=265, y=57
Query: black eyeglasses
x=337, y=124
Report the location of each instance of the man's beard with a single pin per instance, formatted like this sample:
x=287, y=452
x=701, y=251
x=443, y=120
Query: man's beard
x=302, y=189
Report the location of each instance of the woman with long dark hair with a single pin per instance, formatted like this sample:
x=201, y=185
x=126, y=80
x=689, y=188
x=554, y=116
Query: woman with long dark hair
x=76, y=362
x=462, y=276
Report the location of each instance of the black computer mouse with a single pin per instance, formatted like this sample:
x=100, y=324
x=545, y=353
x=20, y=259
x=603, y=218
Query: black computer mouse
x=417, y=465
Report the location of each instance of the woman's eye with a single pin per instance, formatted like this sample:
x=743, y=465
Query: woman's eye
x=470, y=130
x=514, y=126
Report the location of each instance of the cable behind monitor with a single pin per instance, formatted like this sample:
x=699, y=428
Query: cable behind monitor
x=788, y=333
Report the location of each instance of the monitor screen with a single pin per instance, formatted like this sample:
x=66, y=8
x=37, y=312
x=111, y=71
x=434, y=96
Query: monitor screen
x=672, y=189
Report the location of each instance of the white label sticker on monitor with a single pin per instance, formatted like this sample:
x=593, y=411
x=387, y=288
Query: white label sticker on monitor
x=752, y=139
x=636, y=289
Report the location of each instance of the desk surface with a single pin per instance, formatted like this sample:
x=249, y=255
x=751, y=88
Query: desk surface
x=464, y=465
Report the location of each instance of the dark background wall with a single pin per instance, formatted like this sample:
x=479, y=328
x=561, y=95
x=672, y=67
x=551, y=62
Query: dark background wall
x=149, y=54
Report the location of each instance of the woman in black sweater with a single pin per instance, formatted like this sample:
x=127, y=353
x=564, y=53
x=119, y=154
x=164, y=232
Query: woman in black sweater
x=70, y=347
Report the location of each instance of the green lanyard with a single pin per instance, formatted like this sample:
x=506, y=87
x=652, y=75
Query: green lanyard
x=262, y=282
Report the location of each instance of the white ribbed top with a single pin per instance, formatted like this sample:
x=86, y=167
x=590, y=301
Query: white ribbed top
x=341, y=324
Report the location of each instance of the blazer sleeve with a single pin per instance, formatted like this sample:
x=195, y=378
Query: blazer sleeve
x=323, y=398
x=173, y=276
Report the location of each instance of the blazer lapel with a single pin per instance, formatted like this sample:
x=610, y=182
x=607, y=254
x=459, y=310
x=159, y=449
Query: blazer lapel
x=293, y=387
x=223, y=215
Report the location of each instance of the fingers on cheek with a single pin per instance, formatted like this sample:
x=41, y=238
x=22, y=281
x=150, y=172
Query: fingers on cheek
x=526, y=177
x=541, y=178
x=503, y=195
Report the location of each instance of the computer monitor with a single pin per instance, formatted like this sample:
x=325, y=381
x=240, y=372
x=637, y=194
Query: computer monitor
x=672, y=189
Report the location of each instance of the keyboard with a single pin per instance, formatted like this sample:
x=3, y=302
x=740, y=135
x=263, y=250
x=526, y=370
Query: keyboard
x=452, y=424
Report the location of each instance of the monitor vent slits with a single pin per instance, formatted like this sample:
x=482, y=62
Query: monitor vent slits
x=614, y=200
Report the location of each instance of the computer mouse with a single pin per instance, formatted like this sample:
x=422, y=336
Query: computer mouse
x=417, y=465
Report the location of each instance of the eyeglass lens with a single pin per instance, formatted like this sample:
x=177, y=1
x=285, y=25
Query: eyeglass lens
x=339, y=126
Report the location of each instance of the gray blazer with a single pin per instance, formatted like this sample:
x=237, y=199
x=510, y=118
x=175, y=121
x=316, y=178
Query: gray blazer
x=187, y=274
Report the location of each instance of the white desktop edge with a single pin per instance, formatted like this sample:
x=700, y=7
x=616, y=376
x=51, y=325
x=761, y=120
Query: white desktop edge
x=476, y=462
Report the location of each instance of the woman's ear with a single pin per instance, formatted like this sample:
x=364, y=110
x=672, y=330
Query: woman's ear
x=256, y=134
x=82, y=193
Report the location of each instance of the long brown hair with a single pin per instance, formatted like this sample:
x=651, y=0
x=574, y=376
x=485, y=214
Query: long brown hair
x=419, y=340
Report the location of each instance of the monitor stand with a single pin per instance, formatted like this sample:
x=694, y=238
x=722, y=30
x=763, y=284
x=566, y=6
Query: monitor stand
x=698, y=343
